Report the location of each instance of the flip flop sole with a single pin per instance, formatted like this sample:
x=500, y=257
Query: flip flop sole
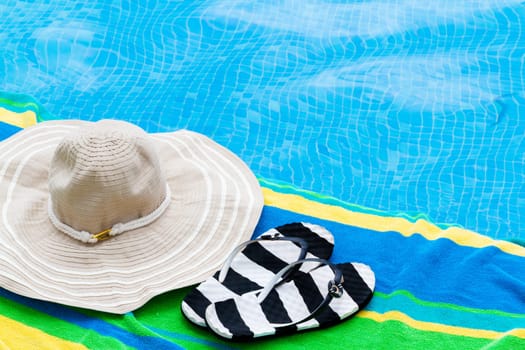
x=246, y=317
x=256, y=264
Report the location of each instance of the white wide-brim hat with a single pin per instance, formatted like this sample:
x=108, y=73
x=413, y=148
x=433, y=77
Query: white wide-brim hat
x=102, y=215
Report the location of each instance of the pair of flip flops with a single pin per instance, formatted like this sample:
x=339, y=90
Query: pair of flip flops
x=281, y=282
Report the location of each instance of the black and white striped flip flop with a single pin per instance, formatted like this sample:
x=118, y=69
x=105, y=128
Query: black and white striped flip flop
x=327, y=294
x=254, y=263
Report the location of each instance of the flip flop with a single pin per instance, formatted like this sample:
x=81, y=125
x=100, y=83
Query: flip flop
x=325, y=295
x=254, y=263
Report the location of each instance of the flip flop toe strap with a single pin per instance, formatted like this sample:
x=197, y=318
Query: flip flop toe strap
x=334, y=288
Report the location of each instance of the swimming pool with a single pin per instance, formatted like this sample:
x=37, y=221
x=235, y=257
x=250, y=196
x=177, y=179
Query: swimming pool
x=392, y=105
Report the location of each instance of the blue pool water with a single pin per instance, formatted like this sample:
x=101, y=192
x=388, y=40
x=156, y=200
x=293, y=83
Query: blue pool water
x=398, y=105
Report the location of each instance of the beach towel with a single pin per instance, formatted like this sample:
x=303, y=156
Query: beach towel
x=437, y=287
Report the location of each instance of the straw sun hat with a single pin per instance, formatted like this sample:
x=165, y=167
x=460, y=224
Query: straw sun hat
x=105, y=216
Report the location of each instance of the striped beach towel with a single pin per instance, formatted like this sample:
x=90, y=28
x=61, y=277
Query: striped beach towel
x=437, y=286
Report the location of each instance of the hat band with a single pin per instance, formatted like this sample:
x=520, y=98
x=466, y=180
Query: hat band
x=119, y=228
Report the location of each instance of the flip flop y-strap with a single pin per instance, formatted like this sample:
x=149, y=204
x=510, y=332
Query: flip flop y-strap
x=326, y=295
x=265, y=237
x=251, y=265
x=335, y=288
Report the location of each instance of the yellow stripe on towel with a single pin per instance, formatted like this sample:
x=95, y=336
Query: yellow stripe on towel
x=301, y=205
x=15, y=335
x=436, y=327
x=22, y=119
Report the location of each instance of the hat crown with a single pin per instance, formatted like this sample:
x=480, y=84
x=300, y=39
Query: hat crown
x=103, y=175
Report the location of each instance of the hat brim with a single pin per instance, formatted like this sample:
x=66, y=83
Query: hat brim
x=216, y=203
